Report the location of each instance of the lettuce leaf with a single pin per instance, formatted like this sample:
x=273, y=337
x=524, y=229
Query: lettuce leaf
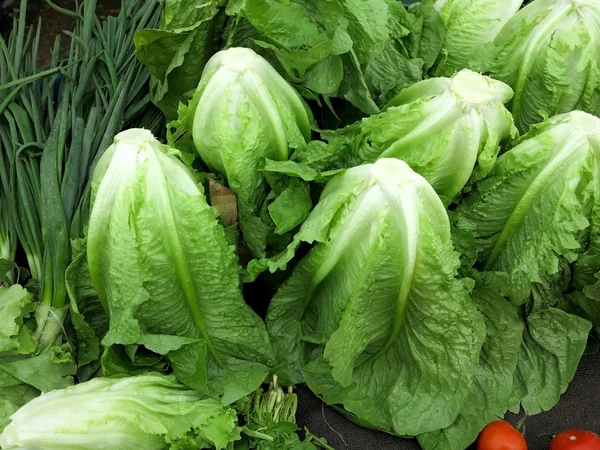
x=26, y=368
x=147, y=412
x=370, y=308
x=491, y=392
x=529, y=214
x=469, y=25
x=165, y=273
x=361, y=51
x=548, y=53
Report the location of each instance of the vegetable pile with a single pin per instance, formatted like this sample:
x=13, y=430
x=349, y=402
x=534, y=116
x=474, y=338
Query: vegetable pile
x=398, y=207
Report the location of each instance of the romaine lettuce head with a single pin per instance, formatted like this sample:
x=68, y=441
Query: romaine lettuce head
x=469, y=24
x=243, y=111
x=374, y=318
x=534, y=220
x=246, y=111
x=146, y=413
x=548, y=53
x=165, y=273
x=539, y=207
x=442, y=127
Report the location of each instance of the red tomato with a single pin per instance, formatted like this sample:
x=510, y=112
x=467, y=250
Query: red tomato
x=575, y=440
x=500, y=435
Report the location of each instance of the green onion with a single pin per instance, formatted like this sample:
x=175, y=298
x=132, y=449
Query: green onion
x=55, y=123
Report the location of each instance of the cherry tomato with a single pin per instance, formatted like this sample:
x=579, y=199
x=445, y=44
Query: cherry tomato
x=575, y=440
x=500, y=435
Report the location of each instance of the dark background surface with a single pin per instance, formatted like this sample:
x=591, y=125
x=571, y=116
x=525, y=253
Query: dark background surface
x=53, y=22
x=579, y=408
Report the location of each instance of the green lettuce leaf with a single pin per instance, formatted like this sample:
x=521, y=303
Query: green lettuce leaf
x=427, y=39
x=15, y=307
x=584, y=300
x=369, y=308
x=491, y=392
x=444, y=128
x=528, y=215
x=147, y=412
x=548, y=53
x=291, y=207
x=23, y=378
x=165, y=273
x=553, y=343
x=469, y=25
x=26, y=368
x=88, y=316
x=176, y=53
x=133, y=360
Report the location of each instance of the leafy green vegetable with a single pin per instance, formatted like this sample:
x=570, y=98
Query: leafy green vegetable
x=369, y=308
x=548, y=53
x=176, y=53
x=243, y=112
x=270, y=421
x=15, y=306
x=25, y=368
x=470, y=24
x=360, y=51
x=535, y=208
x=165, y=273
x=442, y=127
x=531, y=219
x=147, y=412
x=55, y=124
x=428, y=34
x=408, y=316
x=584, y=299
x=553, y=343
x=88, y=316
x=491, y=392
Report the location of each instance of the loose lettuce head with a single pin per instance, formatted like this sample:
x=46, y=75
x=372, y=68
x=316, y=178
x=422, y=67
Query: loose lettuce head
x=534, y=220
x=470, y=24
x=539, y=205
x=165, y=273
x=146, y=413
x=375, y=307
x=243, y=112
x=548, y=53
x=442, y=127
